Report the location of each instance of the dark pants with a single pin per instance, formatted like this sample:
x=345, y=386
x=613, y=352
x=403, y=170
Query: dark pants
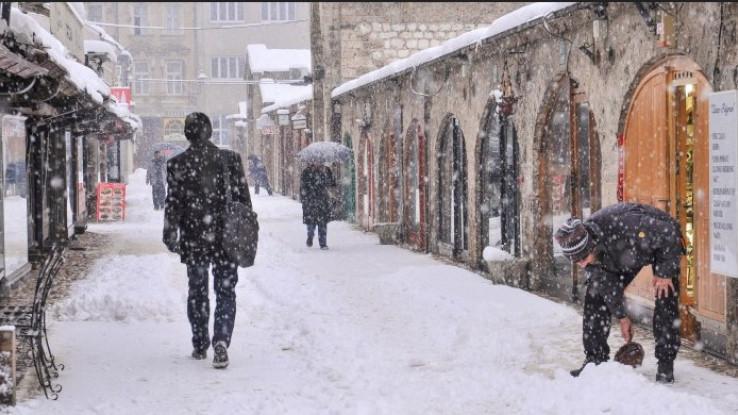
x=322, y=232
x=225, y=277
x=597, y=319
x=158, y=193
x=266, y=185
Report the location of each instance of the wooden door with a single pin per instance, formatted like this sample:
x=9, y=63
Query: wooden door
x=415, y=193
x=665, y=165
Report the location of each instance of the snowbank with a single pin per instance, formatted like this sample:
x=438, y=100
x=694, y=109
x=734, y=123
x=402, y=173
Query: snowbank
x=491, y=254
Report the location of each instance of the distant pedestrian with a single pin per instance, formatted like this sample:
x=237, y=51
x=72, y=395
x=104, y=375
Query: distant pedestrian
x=193, y=228
x=316, y=204
x=155, y=176
x=613, y=245
x=258, y=174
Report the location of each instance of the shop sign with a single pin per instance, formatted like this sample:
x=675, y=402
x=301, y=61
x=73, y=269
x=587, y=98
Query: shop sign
x=299, y=122
x=122, y=94
x=723, y=182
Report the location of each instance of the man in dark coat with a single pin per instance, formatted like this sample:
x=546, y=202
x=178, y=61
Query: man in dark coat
x=258, y=174
x=193, y=228
x=155, y=176
x=612, y=246
x=316, y=206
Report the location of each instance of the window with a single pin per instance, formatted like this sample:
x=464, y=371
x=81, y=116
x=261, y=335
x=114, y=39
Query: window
x=277, y=11
x=230, y=67
x=174, y=73
x=140, y=18
x=119, y=75
x=173, y=24
x=95, y=12
x=141, y=71
x=226, y=12
x=220, y=130
x=174, y=128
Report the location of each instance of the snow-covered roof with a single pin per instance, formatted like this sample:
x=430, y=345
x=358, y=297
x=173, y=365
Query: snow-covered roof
x=104, y=36
x=502, y=24
x=242, y=113
x=99, y=46
x=263, y=60
x=273, y=92
x=304, y=95
x=81, y=76
x=121, y=111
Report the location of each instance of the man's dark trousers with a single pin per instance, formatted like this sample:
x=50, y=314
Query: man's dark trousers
x=322, y=232
x=159, y=194
x=597, y=319
x=225, y=276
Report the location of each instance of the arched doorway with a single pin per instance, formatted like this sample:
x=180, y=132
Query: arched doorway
x=415, y=175
x=664, y=163
x=366, y=182
x=569, y=174
x=452, y=205
x=498, y=182
x=388, y=178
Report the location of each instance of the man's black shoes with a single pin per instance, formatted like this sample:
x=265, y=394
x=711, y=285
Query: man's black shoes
x=309, y=242
x=665, y=372
x=588, y=360
x=220, y=360
x=199, y=354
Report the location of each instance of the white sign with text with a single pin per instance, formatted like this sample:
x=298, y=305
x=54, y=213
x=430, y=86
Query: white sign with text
x=723, y=183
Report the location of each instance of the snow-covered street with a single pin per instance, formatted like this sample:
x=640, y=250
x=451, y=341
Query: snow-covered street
x=359, y=329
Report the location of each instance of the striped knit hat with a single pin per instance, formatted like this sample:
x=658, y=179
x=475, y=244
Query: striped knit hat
x=574, y=239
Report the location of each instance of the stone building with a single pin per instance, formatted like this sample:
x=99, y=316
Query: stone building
x=353, y=38
x=192, y=57
x=477, y=149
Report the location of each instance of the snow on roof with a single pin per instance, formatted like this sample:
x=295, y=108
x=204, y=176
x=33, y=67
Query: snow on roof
x=78, y=10
x=241, y=124
x=272, y=93
x=304, y=95
x=121, y=111
x=81, y=76
x=107, y=38
x=242, y=113
x=502, y=24
x=263, y=60
x=99, y=46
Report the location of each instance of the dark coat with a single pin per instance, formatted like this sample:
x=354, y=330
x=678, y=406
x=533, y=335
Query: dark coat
x=156, y=173
x=316, y=204
x=629, y=236
x=196, y=199
x=258, y=171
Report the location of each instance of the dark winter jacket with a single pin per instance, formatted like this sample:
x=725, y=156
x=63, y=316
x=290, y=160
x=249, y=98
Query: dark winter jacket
x=316, y=204
x=258, y=171
x=628, y=237
x=196, y=198
x=156, y=173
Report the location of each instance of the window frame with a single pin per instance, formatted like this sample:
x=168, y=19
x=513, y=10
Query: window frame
x=175, y=29
x=141, y=88
x=226, y=12
x=278, y=11
x=95, y=5
x=138, y=29
x=175, y=88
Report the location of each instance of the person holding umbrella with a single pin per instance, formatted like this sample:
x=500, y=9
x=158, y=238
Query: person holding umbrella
x=316, y=206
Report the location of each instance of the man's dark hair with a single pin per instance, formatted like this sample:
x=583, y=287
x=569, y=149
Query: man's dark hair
x=197, y=127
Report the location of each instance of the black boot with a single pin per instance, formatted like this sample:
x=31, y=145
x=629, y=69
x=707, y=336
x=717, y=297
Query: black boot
x=309, y=242
x=587, y=360
x=665, y=372
x=199, y=354
x=220, y=360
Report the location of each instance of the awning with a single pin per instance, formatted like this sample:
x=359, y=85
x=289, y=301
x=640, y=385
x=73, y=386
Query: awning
x=19, y=66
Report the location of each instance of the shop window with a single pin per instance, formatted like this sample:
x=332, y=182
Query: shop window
x=453, y=225
x=14, y=180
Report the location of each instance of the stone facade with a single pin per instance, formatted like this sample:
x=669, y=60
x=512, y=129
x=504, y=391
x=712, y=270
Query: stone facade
x=358, y=37
x=601, y=58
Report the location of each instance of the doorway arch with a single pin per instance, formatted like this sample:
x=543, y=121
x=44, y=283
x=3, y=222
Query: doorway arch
x=664, y=163
x=414, y=187
x=452, y=217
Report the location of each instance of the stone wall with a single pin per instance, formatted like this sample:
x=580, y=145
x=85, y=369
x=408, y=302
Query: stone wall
x=537, y=56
